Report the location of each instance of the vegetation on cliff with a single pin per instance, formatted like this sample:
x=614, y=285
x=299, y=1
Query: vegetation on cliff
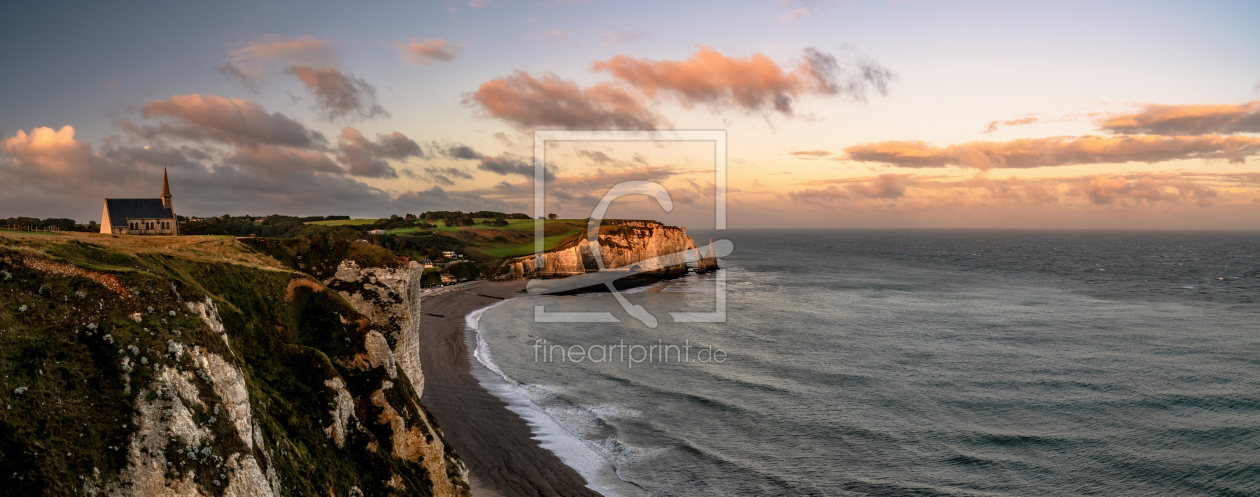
x=96, y=340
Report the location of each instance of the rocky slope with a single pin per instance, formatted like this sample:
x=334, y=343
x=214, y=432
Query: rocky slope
x=156, y=373
x=647, y=246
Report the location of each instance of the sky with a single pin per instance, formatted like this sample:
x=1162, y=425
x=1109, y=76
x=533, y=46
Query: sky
x=838, y=114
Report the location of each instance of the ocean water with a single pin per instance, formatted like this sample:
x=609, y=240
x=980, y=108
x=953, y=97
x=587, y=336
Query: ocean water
x=909, y=363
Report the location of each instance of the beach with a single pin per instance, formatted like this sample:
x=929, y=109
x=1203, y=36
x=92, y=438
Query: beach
x=497, y=445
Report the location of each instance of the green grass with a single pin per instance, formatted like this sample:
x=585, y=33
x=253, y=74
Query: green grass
x=506, y=250
x=341, y=222
x=513, y=224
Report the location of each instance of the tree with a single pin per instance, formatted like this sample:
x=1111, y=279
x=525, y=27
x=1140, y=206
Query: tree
x=552, y=216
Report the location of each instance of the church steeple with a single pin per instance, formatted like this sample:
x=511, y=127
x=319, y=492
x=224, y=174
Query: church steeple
x=166, y=191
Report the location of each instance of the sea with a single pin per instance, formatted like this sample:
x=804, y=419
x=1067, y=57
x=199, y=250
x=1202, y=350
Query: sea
x=904, y=363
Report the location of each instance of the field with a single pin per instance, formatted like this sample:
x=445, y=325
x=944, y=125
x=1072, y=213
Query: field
x=514, y=239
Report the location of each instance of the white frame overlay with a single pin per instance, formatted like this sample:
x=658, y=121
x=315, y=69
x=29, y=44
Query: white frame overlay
x=540, y=212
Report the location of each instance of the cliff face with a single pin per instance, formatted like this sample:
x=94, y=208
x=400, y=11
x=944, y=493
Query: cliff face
x=155, y=374
x=384, y=296
x=652, y=246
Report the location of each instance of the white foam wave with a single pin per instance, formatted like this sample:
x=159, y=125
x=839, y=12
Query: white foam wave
x=597, y=466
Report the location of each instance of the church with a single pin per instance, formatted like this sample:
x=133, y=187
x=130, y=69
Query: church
x=141, y=216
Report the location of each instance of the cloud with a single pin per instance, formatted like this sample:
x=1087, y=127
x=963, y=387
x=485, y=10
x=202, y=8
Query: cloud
x=430, y=51
x=936, y=192
x=283, y=160
x=1187, y=120
x=754, y=83
x=303, y=50
x=992, y=127
x=1058, y=151
x=228, y=120
x=365, y=157
x=810, y=154
x=48, y=153
x=885, y=186
x=527, y=101
x=443, y=175
x=508, y=164
x=1104, y=189
x=248, y=62
x=49, y=173
x=251, y=82
x=338, y=94
x=52, y=174
x=457, y=151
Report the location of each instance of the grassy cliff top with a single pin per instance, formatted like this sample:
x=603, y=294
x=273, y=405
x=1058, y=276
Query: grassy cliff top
x=212, y=248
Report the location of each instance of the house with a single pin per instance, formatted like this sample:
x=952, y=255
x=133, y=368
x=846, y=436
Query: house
x=448, y=278
x=376, y=232
x=141, y=216
x=427, y=263
x=449, y=254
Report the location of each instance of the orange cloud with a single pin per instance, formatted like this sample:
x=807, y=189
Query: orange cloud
x=1188, y=120
x=1058, y=151
x=430, y=51
x=930, y=192
x=527, y=101
x=752, y=83
x=810, y=154
x=46, y=152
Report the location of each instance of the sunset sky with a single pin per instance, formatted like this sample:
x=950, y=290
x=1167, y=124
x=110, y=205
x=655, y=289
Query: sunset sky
x=873, y=114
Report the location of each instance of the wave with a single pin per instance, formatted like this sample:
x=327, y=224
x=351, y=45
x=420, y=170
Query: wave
x=558, y=429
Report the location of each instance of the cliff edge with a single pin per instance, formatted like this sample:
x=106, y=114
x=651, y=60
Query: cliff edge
x=647, y=246
x=171, y=371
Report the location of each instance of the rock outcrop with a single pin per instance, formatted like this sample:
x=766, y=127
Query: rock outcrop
x=644, y=246
x=384, y=296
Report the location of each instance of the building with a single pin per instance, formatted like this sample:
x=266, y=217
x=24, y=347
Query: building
x=448, y=278
x=449, y=254
x=427, y=263
x=376, y=232
x=141, y=216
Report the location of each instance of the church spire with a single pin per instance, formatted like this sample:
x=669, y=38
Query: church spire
x=166, y=191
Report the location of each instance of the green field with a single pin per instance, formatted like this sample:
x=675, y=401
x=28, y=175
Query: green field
x=340, y=222
x=513, y=224
x=506, y=250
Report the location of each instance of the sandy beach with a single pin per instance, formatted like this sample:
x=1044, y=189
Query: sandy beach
x=495, y=443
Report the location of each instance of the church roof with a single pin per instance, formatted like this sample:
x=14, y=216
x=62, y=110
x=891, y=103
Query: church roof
x=136, y=208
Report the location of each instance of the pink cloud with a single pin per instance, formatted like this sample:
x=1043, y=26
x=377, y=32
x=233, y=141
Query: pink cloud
x=430, y=51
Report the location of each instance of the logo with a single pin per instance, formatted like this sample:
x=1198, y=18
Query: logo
x=606, y=275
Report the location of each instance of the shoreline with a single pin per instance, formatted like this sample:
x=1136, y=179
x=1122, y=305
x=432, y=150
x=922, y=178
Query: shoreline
x=497, y=444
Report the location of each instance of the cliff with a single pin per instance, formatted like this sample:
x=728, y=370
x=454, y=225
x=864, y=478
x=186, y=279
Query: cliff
x=645, y=246
x=205, y=369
